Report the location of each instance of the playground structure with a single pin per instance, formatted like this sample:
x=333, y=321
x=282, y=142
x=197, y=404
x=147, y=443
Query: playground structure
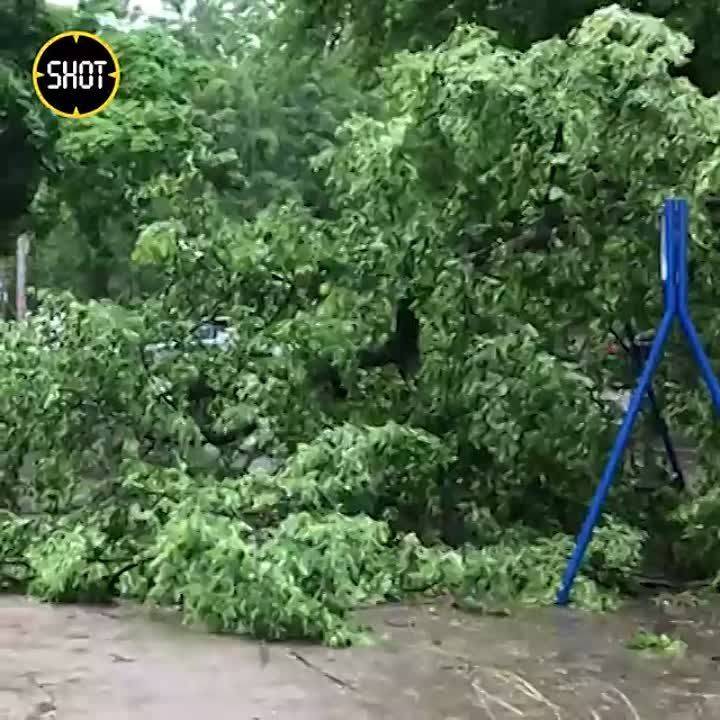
x=674, y=277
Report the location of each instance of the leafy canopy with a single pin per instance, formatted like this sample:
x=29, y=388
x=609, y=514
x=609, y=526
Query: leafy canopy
x=500, y=201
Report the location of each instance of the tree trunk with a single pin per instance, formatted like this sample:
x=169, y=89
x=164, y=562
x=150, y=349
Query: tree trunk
x=6, y=272
x=23, y=247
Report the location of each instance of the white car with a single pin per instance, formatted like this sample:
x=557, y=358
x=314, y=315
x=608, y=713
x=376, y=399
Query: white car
x=211, y=333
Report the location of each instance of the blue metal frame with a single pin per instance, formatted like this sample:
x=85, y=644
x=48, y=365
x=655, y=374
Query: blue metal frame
x=673, y=255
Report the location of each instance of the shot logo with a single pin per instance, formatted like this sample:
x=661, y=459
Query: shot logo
x=76, y=74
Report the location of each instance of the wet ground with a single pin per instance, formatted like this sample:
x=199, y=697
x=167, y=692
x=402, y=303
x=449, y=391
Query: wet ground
x=431, y=663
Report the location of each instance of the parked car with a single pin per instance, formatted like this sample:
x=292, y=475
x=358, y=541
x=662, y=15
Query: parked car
x=209, y=334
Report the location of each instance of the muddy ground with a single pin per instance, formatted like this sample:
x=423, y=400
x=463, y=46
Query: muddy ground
x=430, y=663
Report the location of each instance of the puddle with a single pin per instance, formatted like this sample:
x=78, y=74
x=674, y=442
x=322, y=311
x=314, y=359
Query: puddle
x=430, y=663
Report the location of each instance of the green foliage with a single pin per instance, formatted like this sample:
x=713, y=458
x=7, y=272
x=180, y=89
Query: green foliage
x=156, y=244
x=372, y=32
x=26, y=131
x=229, y=120
x=285, y=555
x=650, y=643
x=273, y=485
x=298, y=578
x=299, y=583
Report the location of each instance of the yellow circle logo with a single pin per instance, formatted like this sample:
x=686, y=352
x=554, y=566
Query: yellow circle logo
x=76, y=74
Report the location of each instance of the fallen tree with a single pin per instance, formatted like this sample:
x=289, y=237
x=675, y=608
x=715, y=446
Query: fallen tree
x=416, y=355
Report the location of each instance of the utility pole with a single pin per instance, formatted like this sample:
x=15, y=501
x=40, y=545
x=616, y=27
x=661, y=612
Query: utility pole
x=21, y=254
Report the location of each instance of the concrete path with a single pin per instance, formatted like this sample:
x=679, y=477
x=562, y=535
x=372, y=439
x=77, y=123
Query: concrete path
x=121, y=663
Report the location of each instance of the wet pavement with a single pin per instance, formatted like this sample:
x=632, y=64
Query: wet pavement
x=430, y=663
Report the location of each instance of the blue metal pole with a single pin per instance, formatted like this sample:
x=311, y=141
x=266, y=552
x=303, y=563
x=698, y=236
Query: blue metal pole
x=693, y=338
x=669, y=272
x=616, y=455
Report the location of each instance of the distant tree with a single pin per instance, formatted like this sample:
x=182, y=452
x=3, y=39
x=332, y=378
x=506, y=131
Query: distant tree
x=26, y=132
x=375, y=30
